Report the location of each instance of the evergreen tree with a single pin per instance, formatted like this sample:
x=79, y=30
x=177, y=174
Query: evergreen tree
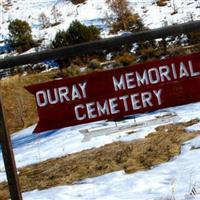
x=76, y=33
x=20, y=36
x=61, y=39
x=79, y=33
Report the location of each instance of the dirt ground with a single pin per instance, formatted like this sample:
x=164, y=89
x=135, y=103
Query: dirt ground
x=142, y=154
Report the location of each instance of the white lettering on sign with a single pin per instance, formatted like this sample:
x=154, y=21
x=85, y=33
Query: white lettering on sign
x=119, y=85
x=83, y=88
x=158, y=96
x=91, y=110
x=192, y=72
x=77, y=113
x=146, y=99
x=183, y=70
x=61, y=94
x=125, y=102
x=124, y=81
x=130, y=80
x=75, y=93
x=174, y=71
x=142, y=80
x=164, y=73
x=111, y=106
x=41, y=98
x=52, y=96
x=103, y=110
x=154, y=75
x=135, y=101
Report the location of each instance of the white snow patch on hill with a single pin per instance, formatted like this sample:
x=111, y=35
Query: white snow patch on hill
x=91, y=12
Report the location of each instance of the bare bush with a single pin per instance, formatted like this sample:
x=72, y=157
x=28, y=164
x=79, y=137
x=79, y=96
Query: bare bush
x=44, y=20
x=123, y=19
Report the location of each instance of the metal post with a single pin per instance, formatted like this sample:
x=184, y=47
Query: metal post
x=9, y=161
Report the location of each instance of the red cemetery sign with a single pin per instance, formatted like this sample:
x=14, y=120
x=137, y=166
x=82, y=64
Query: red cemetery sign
x=115, y=93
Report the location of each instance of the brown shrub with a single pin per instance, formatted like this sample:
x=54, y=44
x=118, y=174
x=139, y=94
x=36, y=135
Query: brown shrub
x=73, y=70
x=94, y=64
x=77, y=1
x=124, y=18
x=161, y=3
x=126, y=59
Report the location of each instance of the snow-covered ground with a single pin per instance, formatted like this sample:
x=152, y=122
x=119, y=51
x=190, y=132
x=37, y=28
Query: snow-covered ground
x=177, y=177
x=180, y=174
x=92, y=12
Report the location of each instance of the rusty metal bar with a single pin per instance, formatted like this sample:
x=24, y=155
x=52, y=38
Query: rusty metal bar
x=9, y=161
x=95, y=46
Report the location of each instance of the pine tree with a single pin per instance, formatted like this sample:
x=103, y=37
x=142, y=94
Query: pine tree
x=79, y=33
x=61, y=39
x=20, y=36
x=76, y=33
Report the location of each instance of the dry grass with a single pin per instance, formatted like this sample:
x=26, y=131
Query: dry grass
x=19, y=104
x=156, y=148
x=4, y=194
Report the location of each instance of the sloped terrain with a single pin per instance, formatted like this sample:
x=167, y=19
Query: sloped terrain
x=174, y=12
x=152, y=156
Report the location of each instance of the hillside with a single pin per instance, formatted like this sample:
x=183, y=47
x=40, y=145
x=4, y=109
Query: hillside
x=149, y=156
x=64, y=12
